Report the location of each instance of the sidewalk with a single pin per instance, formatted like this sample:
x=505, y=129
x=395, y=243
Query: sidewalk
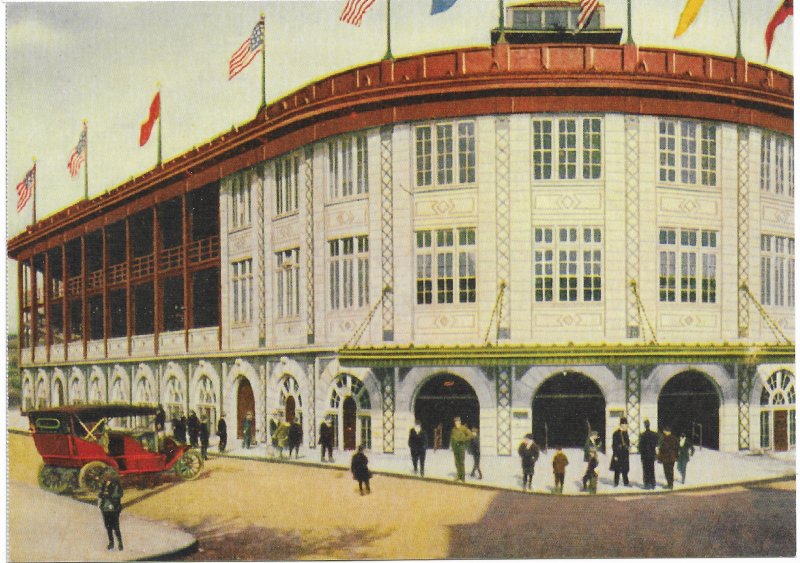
x=43, y=526
x=707, y=468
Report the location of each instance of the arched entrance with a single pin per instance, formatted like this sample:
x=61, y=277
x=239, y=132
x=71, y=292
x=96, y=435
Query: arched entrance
x=566, y=407
x=349, y=410
x=689, y=403
x=58, y=400
x=349, y=423
x=245, y=404
x=442, y=398
x=778, y=412
x=290, y=406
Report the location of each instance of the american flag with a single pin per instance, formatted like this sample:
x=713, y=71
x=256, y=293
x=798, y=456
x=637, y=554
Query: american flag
x=245, y=54
x=78, y=155
x=587, y=9
x=25, y=188
x=354, y=10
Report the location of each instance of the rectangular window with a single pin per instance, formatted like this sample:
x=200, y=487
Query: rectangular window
x=666, y=268
x=666, y=151
x=442, y=247
x=579, y=148
x=347, y=166
x=592, y=265
x=242, y=286
x=240, y=201
x=567, y=264
x=452, y=151
x=366, y=430
x=287, y=276
x=287, y=172
x=567, y=151
x=348, y=268
x=791, y=168
x=766, y=161
x=543, y=264
x=696, y=252
x=592, y=152
x=570, y=245
x=688, y=152
x=790, y=275
x=777, y=271
x=708, y=281
x=780, y=170
x=698, y=142
x=765, y=429
x=708, y=158
x=542, y=149
x=688, y=266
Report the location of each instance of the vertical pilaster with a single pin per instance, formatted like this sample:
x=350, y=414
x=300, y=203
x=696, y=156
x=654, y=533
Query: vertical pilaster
x=387, y=233
x=261, y=262
x=48, y=333
x=313, y=377
x=504, y=378
x=503, y=225
x=633, y=330
x=633, y=399
x=745, y=377
x=308, y=251
x=387, y=404
x=743, y=230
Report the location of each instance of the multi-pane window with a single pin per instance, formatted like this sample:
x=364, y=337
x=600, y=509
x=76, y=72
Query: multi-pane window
x=287, y=172
x=445, y=153
x=569, y=259
x=240, y=201
x=242, y=289
x=579, y=142
x=347, y=166
x=446, y=266
x=695, y=252
x=777, y=271
x=681, y=146
x=777, y=164
x=348, y=272
x=287, y=283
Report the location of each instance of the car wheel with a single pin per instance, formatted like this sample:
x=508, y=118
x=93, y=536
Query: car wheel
x=53, y=479
x=93, y=474
x=190, y=464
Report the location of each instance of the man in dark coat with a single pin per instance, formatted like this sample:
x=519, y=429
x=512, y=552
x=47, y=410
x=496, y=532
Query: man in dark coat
x=202, y=432
x=668, y=455
x=417, y=444
x=295, y=438
x=528, y=453
x=222, y=432
x=360, y=469
x=161, y=419
x=179, y=429
x=326, y=439
x=648, y=442
x=475, y=452
x=193, y=426
x=621, y=448
x=110, y=502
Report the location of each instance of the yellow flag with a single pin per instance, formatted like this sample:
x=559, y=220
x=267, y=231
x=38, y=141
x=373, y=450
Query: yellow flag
x=688, y=15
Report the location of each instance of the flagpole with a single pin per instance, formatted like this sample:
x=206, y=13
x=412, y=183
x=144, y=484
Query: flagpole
x=34, y=191
x=630, y=25
x=263, y=63
x=739, y=29
x=160, y=113
x=502, y=22
x=388, y=56
x=86, y=162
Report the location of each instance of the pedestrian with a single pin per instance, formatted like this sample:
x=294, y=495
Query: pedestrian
x=460, y=437
x=110, y=502
x=685, y=451
x=247, y=431
x=668, y=455
x=326, y=439
x=193, y=426
x=590, y=477
x=592, y=441
x=648, y=443
x=417, y=444
x=621, y=448
x=222, y=432
x=528, y=452
x=280, y=438
x=475, y=451
x=179, y=429
x=560, y=463
x=161, y=419
x=360, y=469
x=202, y=432
x=295, y=438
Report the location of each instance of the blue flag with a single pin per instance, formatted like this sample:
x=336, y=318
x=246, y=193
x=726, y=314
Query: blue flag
x=439, y=6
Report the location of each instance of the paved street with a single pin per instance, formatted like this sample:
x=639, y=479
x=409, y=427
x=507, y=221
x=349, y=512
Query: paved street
x=253, y=510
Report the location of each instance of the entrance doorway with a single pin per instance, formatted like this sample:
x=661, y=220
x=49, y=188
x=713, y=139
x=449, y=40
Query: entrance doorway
x=245, y=403
x=689, y=403
x=290, y=409
x=566, y=407
x=59, y=394
x=439, y=401
x=781, y=434
x=349, y=423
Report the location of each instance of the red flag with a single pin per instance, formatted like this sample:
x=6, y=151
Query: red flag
x=784, y=11
x=147, y=125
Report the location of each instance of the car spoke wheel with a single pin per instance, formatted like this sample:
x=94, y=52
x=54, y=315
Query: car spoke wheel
x=52, y=479
x=190, y=464
x=93, y=474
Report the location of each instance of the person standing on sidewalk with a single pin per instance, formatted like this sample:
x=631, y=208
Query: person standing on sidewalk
x=417, y=444
x=222, y=432
x=295, y=438
x=247, y=431
x=685, y=451
x=193, y=425
x=648, y=443
x=280, y=438
x=460, y=437
x=359, y=467
x=475, y=451
x=620, y=448
x=590, y=477
x=202, y=433
x=560, y=463
x=528, y=452
x=668, y=455
x=110, y=502
x=326, y=439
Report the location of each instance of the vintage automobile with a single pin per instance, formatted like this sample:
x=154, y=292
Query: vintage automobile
x=82, y=444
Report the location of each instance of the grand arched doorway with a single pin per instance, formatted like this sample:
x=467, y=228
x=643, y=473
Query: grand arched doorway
x=566, y=407
x=689, y=403
x=441, y=399
x=349, y=410
x=777, y=413
x=245, y=404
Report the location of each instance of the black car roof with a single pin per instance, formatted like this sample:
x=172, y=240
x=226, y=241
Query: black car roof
x=107, y=410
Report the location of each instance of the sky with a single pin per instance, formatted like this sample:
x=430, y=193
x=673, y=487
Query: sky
x=102, y=61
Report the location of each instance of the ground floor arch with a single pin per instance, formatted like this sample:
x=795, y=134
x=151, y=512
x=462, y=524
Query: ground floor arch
x=439, y=400
x=689, y=403
x=245, y=405
x=349, y=408
x=566, y=407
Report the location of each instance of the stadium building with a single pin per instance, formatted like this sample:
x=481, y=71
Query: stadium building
x=543, y=235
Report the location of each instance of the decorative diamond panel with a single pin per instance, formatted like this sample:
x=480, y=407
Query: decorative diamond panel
x=745, y=376
x=387, y=403
x=387, y=232
x=631, y=221
x=503, y=383
x=503, y=179
x=743, y=229
x=633, y=398
x=308, y=166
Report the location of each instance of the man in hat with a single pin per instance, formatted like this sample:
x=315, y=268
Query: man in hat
x=222, y=432
x=621, y=447
x=648, y=442
x=528, y=452
x=460, y=436
x=668, y=455
x=202, y=434
x=326, y=439
x=109, y=499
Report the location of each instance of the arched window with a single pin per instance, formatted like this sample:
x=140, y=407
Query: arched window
x=41, y=394
x=95, y=391
x=778, y=411
x=76, y=391
x=27, y=395
x=144, y=391
x=207, y=401
x=173, y=398
x=349, y=410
